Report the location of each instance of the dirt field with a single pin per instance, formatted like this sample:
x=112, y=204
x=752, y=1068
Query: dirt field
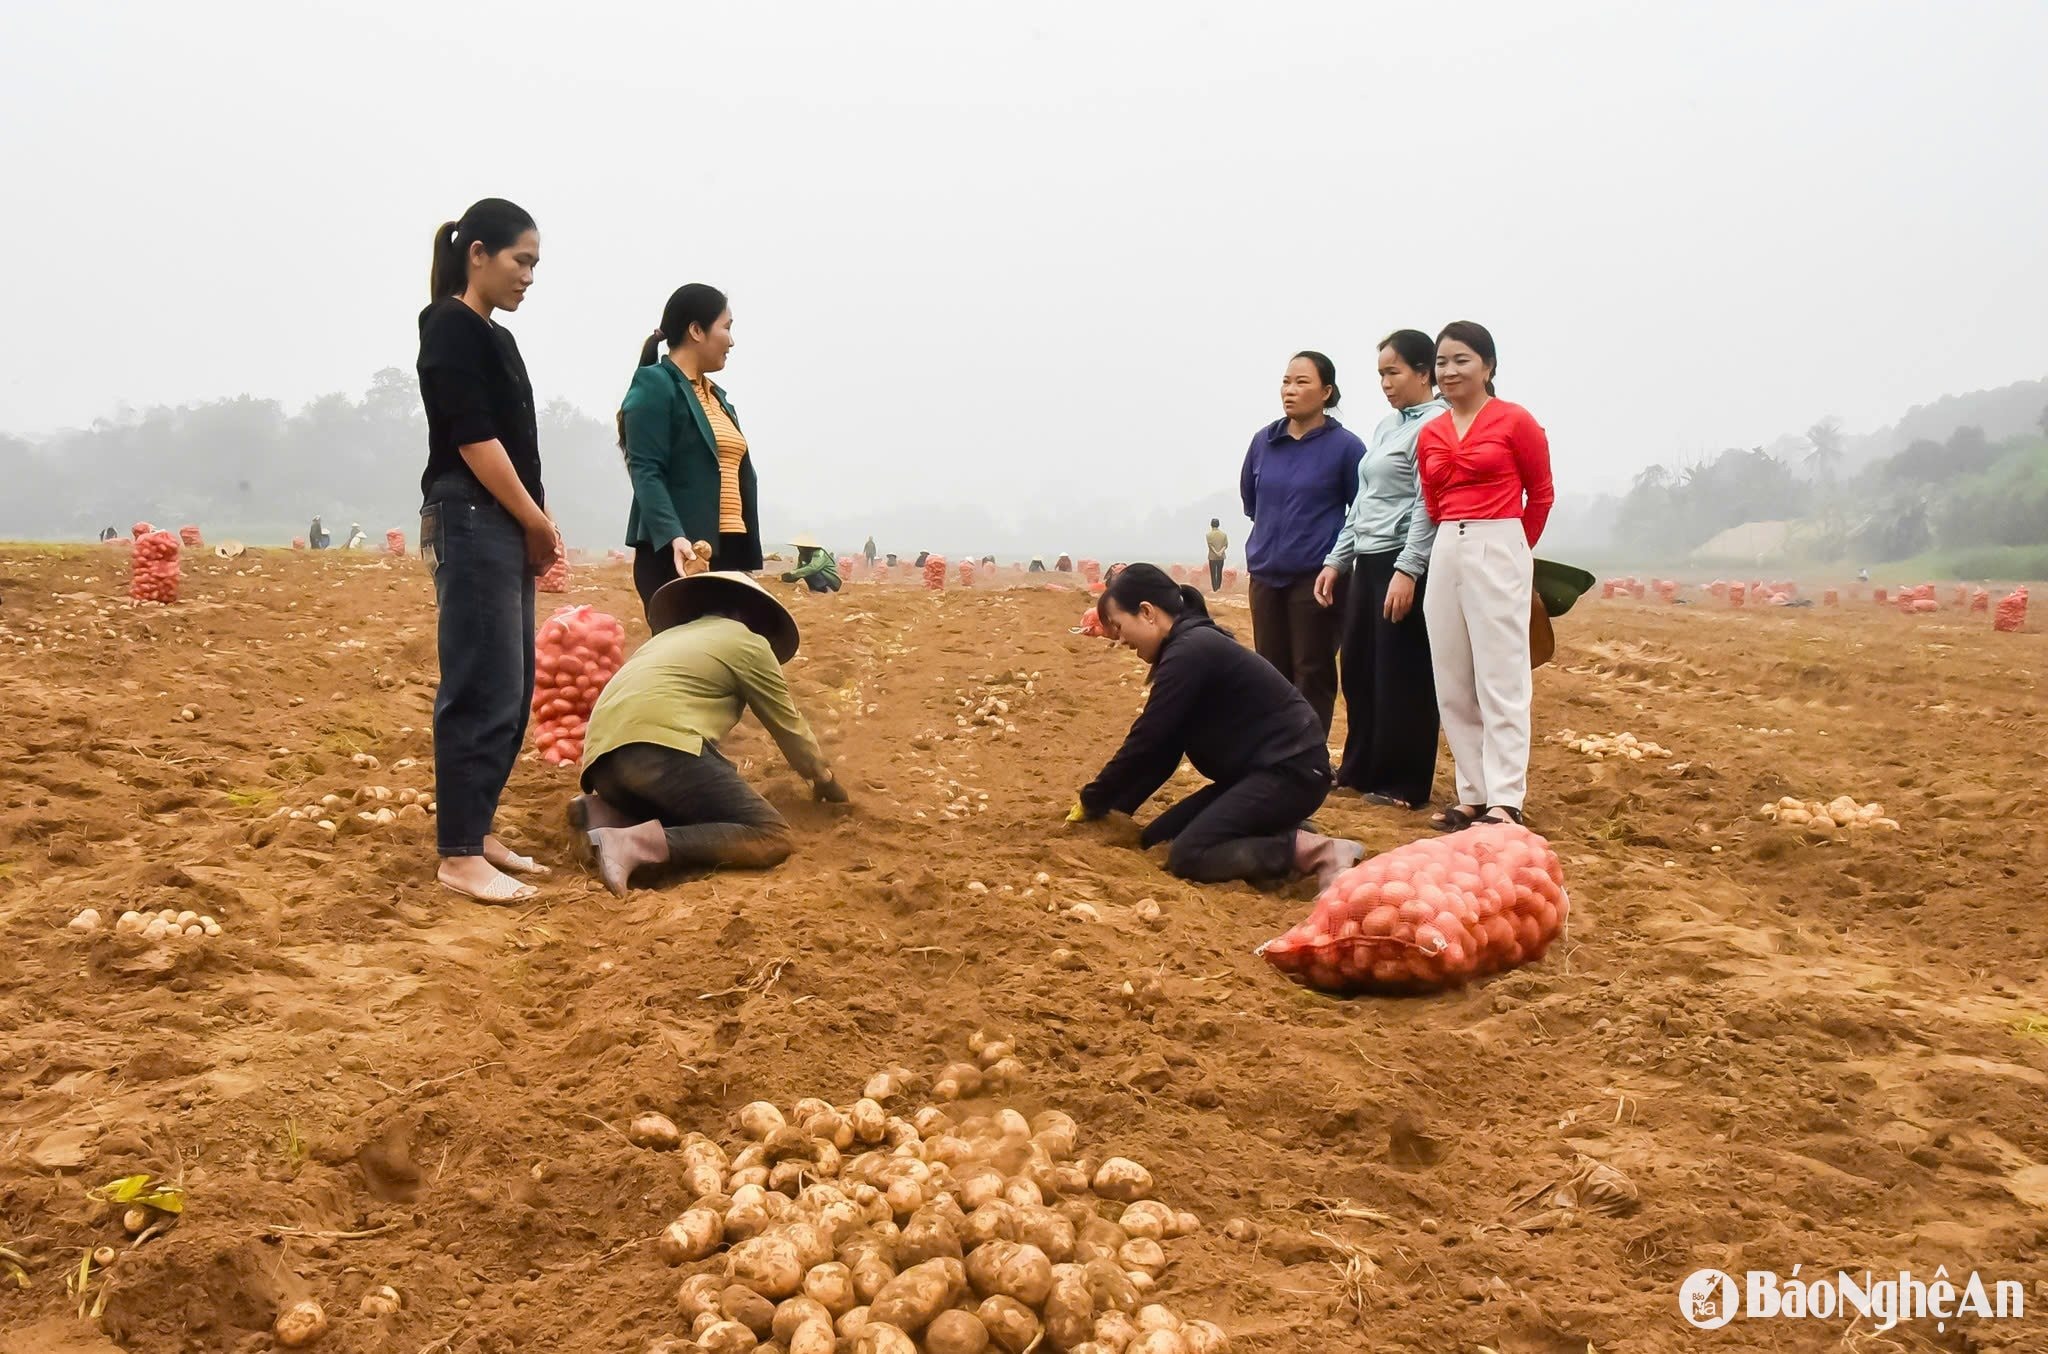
x=1820, y=1055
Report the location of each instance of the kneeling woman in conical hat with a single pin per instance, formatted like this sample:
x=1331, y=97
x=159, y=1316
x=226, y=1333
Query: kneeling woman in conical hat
x=657, y=791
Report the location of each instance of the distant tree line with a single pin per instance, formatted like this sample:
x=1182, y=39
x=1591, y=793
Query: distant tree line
x=1965, y=492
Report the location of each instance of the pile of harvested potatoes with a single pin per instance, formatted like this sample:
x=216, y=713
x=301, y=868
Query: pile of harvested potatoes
x=855, y=1230
x=382, y=807
x=1603, y=747
x=1842, y=814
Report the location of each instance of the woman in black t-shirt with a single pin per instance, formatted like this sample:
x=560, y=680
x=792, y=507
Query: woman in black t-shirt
x=484, y=533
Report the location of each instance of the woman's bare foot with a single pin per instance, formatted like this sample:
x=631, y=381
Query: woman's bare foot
x=622, y=850
x=505, y=858
x=475, y=877
x=1325, y=857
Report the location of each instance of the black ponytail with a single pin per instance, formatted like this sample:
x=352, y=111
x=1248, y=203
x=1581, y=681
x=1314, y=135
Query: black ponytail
x=1138, y=584
x=693, y=303
x=492, y=222
x=1326, y=372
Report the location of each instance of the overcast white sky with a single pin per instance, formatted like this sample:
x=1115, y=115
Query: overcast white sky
x=1051, y=249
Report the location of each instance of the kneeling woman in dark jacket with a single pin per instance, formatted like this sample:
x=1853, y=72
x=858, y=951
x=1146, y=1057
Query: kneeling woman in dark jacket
x=1241, y=723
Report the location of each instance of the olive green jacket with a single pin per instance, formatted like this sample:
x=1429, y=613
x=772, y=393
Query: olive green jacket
x=673, y=460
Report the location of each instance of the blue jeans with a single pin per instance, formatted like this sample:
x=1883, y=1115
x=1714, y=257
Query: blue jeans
x=483, y=588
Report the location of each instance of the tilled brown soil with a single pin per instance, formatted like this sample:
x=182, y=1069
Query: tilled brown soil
x=1828, y=1055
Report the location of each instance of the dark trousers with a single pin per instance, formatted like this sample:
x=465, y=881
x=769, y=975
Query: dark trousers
x=483, y=589
x=1243, y=830
x=654, y=565
x=713, y=816
x=820, y=583
x=1215, y=575
x=1389, y=691
x=1298, y=635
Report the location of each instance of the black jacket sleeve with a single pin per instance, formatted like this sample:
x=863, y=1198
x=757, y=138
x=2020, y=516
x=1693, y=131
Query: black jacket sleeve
x=1154, y=746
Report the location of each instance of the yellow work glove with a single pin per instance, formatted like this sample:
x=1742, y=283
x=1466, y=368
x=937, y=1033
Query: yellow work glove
x=1077, y=814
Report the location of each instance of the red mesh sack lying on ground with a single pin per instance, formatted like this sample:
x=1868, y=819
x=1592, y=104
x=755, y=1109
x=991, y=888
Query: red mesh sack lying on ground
x=1430, y=915
x=556, y=579
x=574, y=655
x=1980, y=600
x=1831, y=598
x=153, y=575
x=1879, y=596
x=298, y=542
x=394, y=541
x=188, y=536
x=1738, y=594
x=140, y=529
x=1091, y=624
x=935, y=573
x=2012, y=612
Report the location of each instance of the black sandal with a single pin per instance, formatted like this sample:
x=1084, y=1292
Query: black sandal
x=1514, y=815
x=1455, y=819
x=1386, y=801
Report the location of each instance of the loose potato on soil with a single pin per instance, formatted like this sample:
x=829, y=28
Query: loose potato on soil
x=1123, y=1181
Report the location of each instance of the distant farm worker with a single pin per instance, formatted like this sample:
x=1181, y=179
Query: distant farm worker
x=890, y=560
x=1064, y=564
x=815, y=567
x=657, y=791
x=1219, y=551
x=108, y=534
x=1240, y=723
x=1037, y=565
x=1300, y=475
x=1485, y=470
x=485, y=531
x=922, y=556
x=868, y=552
x=1390, y=715
x=356, y=539
x=692, y=471
x=317, y=537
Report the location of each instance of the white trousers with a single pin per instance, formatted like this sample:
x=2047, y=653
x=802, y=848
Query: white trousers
x=1481, y=575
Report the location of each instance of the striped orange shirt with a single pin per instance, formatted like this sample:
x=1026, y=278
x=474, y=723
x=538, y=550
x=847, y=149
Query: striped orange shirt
x=732, y=449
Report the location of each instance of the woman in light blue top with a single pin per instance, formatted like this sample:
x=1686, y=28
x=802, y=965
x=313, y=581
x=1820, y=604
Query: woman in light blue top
x=1389, y=688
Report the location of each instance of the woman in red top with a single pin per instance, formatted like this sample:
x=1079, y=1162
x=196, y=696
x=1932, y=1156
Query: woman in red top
x=1485, y=472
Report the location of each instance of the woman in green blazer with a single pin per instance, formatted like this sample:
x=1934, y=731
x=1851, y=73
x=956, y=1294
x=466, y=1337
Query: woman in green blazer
x=693, y=479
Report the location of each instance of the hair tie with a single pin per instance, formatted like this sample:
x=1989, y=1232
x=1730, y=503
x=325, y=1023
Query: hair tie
x=658, y=334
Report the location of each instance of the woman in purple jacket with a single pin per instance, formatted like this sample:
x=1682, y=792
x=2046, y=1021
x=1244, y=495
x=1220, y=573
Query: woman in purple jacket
x=1299, y=478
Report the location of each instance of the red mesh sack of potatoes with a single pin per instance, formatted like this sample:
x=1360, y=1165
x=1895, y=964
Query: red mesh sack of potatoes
x=153, y=573
x=966, y=573
x=2012, y=612
x=394, y=541
x=935, y=572
x=1091, y=570
x=556, y=579
x=1980, y=600
x=1430, y=915
x=1879, y=596
x=1738, y=594
x=188, y=536
x=298, y=542
x=846, y=566
x=140, y=529
x=575, y=654
x=1230, y=578
x=1831, y=597
x=1091, y=624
